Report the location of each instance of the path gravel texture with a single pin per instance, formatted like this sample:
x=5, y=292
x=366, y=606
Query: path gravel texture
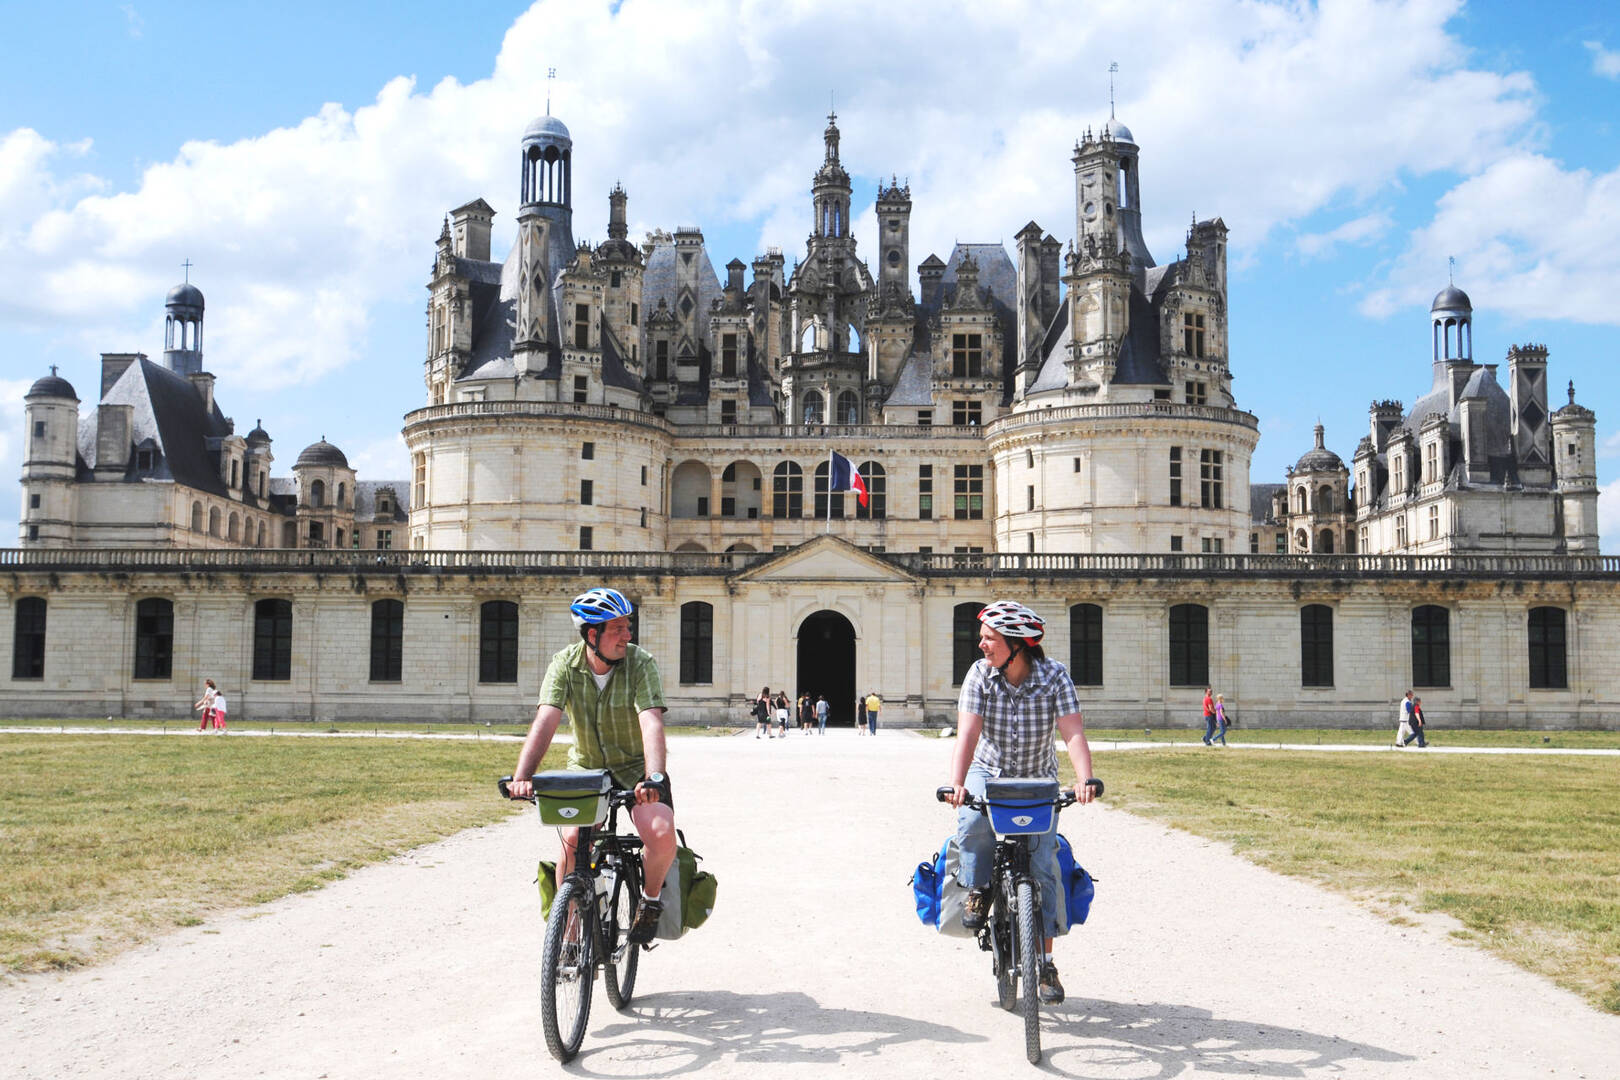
x=1194, y=963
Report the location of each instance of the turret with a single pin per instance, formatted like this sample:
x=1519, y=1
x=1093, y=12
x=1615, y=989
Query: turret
x=182, y=329
x=1527, y=392
x=50, y=458
x=894, y=235
x=1574, y=444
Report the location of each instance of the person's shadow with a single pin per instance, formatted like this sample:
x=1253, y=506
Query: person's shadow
x=671, y=1033
x=1090, y=1037
x=668, y=1034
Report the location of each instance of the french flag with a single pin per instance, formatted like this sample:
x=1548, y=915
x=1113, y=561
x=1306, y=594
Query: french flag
x=843, y=477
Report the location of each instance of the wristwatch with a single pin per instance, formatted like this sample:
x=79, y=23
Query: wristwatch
x=656, y=779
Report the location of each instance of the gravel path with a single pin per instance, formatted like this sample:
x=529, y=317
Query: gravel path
x=1195, y=962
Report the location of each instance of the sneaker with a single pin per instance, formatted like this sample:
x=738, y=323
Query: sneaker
x=1051, y=991
x=977, y=909
x=645, y=922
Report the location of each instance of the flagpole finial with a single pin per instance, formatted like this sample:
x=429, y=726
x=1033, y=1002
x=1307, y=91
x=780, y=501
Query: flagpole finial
x=551, y=76
x=1113, y=69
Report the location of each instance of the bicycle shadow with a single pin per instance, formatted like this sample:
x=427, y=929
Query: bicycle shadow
x=1094, y=1038
x=671, y=1033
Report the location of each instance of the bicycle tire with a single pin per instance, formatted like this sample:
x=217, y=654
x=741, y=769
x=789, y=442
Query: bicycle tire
x=1001, y=934
x=1029, y=968
x=620, y=980
x=567, y=969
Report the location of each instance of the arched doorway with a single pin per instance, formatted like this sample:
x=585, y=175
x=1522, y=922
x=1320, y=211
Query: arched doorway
x=827, y=663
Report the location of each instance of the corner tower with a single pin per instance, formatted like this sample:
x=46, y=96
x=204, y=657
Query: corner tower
x=545, y=240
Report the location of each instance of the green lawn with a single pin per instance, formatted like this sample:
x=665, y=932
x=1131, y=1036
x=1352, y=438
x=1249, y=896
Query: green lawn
x=1440, y=736
x=106, y=841
x=1523, y=851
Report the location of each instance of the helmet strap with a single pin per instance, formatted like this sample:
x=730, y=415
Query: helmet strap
x=585, y=634
x=1014, y=647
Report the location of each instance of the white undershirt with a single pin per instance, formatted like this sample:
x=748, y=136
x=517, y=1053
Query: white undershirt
x=601, y=680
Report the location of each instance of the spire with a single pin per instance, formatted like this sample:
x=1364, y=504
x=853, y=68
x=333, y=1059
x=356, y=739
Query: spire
x=1113, y=69
x=831, y=137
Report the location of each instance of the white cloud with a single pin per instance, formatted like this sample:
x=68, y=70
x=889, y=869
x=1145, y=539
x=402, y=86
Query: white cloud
x=1610, y=447
x=1605, y=62
x=1358, y=231
x=382, y=459
x=134, y=25
x=1264, y=113
x=1609, y=517
x=1553, y=256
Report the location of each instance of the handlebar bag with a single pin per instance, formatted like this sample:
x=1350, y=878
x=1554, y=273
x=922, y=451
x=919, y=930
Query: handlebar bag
x=573, y=797
x=1021, y=806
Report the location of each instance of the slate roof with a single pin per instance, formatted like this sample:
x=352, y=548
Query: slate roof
x=658, y=282
x=166, y=409
x=914, y=387
x=1260, y=496
x=365, y=500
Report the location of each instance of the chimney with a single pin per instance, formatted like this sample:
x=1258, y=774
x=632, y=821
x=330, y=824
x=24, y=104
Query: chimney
x=204, y=382
x=113, y=366
x=112, y=440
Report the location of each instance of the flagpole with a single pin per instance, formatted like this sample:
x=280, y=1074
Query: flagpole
x=828, y=529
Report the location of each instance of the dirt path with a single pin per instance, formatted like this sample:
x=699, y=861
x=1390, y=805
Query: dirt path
x=1194, y=963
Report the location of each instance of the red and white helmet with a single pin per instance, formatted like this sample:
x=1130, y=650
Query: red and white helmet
x=1011, y=619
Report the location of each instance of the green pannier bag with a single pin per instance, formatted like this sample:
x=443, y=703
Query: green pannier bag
x=548, y=887
x=688, y=895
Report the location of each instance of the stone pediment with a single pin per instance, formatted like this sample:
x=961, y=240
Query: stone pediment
x=827, y=558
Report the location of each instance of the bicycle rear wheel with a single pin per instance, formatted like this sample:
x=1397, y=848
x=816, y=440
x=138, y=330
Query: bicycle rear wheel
x=1001, y=942
x=623, y=957
x=567, y=969
x=1030, y=954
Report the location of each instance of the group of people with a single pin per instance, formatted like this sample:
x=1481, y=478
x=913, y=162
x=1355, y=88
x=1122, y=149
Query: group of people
x=807, y=712
x=866, y=713
x=213, y=707
x=1215, y=719
x=1409, y=724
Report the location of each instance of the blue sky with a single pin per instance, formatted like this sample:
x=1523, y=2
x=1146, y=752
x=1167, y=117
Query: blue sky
x=302, y=155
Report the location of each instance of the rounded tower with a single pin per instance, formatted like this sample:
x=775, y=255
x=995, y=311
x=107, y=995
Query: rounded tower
x=50, y=459
x=183, y=329
x=1574, y=440
x=325, y=497
x=1452, y=315
x=830, y=190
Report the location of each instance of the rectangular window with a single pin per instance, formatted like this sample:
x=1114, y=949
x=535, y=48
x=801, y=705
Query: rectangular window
x=143, y=462
x=635, y=314
x=1400, y=530
x=39, y=429
x=964, y=640
x=1192, y=334
x=1076, y=464
x=1399, y=486
x=585, y=536
x=581, y=390
x=1214, y=545
x=967, y=356
x=644, y=476
x=615, y=279
x=1431, y=463
x=1197, y=393
x=582, y=326
x=421, y=479
x=33, y=501
x=697, y=642
x=966, y=413
x=498, y=642
x=703, y=506
x=387, y=640
x=925, y=417
x=643, y=517
x=1254, y=543
x=272, y=640
x=969, y=480
x=154, y=638
x=1086, y=645
x=1175, y=543
x=1210, y=483
x=587, y=452
x=1282, y=543
x=1316, y=645
x=1175, y=476
x=28, y=639
x=1029, y=542
x=728, y=356
x=385, y=539
x=1363, y=535
x=728, y=506
x=728, y=412
x=925, y=492
x=1029, y=497
x=1434, y=523
x=1189, y=645
x=1431, y=646
x=586, y=490
x=660, y=360
x=1548, y=663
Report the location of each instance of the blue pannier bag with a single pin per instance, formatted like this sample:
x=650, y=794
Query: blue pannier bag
x=938, y=894
x=1078, y=887
x=925, y=887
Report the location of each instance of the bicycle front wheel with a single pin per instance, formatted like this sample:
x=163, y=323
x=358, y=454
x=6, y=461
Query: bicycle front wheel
x=567, y=969
x=1030, y=955
x=1001, y=941
x=623, y=957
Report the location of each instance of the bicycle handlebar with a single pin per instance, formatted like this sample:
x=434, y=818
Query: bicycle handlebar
x=618, y=796
x=975, y=802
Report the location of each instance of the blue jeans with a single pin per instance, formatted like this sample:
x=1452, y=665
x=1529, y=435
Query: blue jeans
x=1220, y=733
x=1209, y=728
x=821, y=723
x=978, y=841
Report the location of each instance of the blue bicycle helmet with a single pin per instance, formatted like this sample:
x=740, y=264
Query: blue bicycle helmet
x=594, y=607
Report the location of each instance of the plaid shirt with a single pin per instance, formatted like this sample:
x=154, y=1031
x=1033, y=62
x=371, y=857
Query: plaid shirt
x=606, y=722
x=1018, y=720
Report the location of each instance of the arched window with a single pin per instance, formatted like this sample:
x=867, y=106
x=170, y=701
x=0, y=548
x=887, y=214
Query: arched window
x=824, y=500
x=877, y=492
x=1316, y=645
x=1299, y=500
x=213, y=521
x=1548, y=662
x=28, y=639
x=1324, y=542
x=154, y=638
x=289, y=534
x=272, y=640
x=317, y=493
x=196, y=517
x=689, y=490
x=498, y=642
x=339, y=503
x=813, y=407
x=1302, y=540
x=1189, y=645
x=849, y=407
x=697, y=643
x=1431, y=646
x=233, y=527
x=852, y=338
x=1086, y=644
x=387, y=640
x=964, y=639
x=1324, y=500
x=787, y=490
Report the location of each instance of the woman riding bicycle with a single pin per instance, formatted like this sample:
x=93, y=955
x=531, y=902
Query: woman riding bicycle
x=614, y=698
x=1011, y=701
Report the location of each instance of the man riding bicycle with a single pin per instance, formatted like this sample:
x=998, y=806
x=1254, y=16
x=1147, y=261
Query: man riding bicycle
x=1011, y=700
x=614, y=698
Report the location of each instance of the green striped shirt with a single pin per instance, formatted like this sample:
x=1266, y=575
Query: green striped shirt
x=606, y=722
